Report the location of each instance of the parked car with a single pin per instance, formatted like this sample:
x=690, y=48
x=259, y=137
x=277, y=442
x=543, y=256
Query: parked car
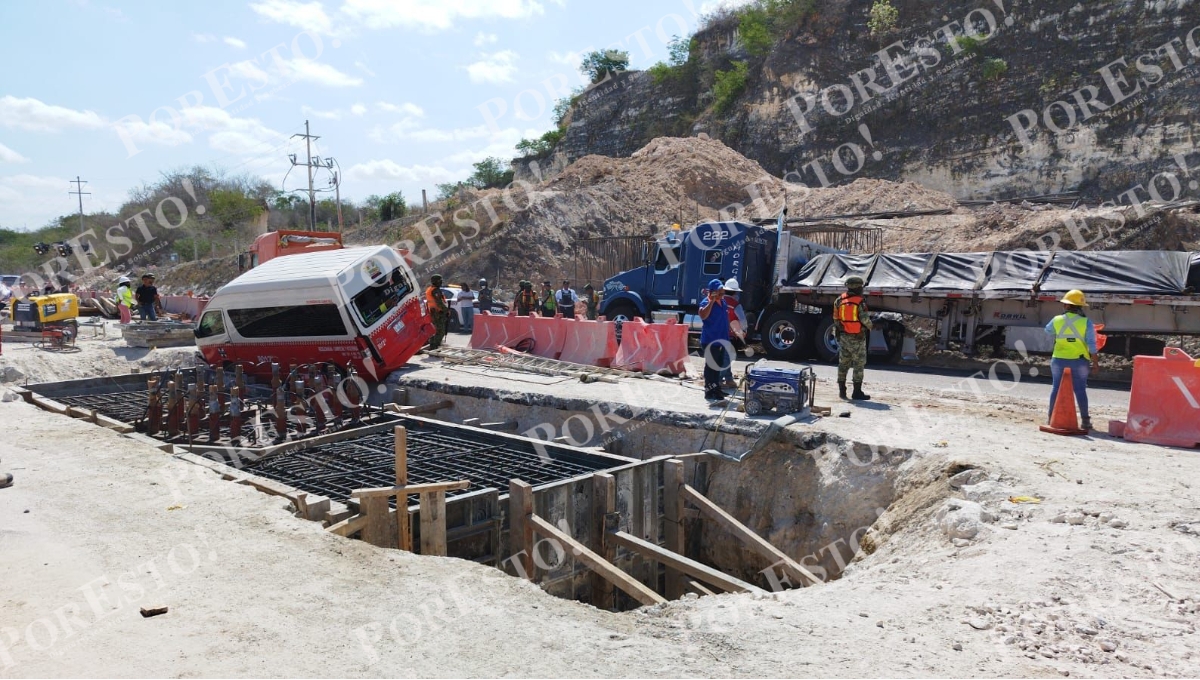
x=455, y=323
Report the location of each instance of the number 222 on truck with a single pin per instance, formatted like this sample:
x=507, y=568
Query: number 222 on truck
x=357, y=307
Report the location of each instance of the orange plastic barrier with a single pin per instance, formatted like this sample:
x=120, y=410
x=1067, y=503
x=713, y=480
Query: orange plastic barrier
x=652, y=347
x=593, y=343
x=1164, y=404
x=496, y=330
x=548, y=333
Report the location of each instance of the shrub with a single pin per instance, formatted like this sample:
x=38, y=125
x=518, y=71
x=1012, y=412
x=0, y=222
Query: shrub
x=755, y=32
x=994, y=69
x=601, y=64
x=882, y=19
x=728, y=85
x=966, y=44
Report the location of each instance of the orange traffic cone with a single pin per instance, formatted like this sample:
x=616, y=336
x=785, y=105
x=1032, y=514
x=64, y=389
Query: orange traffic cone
x=1064, y=420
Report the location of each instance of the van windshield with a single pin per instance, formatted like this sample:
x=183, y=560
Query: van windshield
x=381, y=297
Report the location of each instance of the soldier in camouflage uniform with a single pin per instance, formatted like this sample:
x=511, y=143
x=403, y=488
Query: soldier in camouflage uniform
x=853, y=330
x=435, y=301
x=592, y=301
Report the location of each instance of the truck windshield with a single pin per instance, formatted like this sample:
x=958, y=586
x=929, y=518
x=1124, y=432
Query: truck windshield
x=381, y=297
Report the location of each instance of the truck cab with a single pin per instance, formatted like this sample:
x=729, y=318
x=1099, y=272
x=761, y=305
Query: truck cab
x=287, y=242
x=679, y=265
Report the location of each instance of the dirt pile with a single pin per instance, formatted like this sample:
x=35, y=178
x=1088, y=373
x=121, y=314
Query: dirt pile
x=866, y=196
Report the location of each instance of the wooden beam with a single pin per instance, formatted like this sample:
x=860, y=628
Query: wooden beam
x=433, y=523
x=380, y=530
x=389, y=491
x=604, y=501
x=418, y=410
x=403, y=521
x=673, y=534
x=349, y=526
x=755, y=542
x=635, y=588
x=699, y=588
x=680, y=563
x=520, y=530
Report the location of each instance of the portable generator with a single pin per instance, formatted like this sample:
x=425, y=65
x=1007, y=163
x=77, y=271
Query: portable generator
x=41, y=312
x=784, y=388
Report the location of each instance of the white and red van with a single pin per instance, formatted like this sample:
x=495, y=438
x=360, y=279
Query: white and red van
x=359, y=307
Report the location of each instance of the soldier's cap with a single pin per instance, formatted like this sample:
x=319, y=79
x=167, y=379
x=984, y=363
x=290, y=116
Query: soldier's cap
x=588, y=287
x=854, y=282
x=436, y=277
x=546, y=283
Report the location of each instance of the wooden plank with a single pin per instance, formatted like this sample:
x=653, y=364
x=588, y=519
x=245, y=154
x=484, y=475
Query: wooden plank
x=389, y=491
x=418, y=410
x=699, y=588
x=433, y=523
x=349, y=526
x=635, y=588
x=380, y=529
x=520, y=531
x=673, y=534
x=690, y=567
x=403, y=520
x=604, y=501
x=752, y=540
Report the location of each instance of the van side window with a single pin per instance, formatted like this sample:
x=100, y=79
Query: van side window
x=712, y=262
x=212, y=323
x=381, y=297
x=281, y=322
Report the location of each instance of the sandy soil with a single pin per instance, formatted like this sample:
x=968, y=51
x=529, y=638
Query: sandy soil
x=97, y=525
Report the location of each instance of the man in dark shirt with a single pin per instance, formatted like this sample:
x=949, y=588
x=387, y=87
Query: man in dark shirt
x=147, y=296
x=714, y=339
x=484, y=297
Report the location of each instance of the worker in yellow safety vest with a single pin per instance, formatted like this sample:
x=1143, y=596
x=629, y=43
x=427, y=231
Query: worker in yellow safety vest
x=1074, y=348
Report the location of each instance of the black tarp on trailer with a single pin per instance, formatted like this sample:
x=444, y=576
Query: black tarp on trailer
x=1134, y=272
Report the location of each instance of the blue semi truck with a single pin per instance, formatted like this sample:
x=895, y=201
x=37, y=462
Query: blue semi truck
x=680, y=263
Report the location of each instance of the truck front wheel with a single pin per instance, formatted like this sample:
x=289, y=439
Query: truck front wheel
x=787, y=336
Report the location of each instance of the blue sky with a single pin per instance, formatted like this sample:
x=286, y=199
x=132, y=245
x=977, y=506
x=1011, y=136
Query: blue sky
x=405, y=94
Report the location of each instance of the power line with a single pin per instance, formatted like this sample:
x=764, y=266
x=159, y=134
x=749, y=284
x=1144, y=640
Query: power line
x=308, y=164
x=81, y=193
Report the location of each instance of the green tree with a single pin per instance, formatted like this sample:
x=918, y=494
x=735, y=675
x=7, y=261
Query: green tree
x=679, y=50
x=392, y=207
x=728, y=85
x=449, y=190
x=490, y=173
x=601, y=64
x=754, y=30
x=542, y=146
x=882, y=19
x=232, y=207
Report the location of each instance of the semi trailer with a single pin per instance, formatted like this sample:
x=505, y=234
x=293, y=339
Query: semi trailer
x=791, y=285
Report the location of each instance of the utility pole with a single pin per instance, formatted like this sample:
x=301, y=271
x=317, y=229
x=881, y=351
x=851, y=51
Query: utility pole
x=308, y=164
x=337, y=189
x=81, y=193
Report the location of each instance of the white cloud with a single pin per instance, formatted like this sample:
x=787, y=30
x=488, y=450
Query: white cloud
x=386, y=169
x=317, y=72
x=308, y=16
x=141, y=133
x=407, y=108
x=482, y=39
x=435, y=14
x=710, y=6
x=314, y=113
x=358, y=109
x=572, y=59
x=203, y=37
x=228, y=133
x=363, y=67
x=235, y=43
x=7, y=155
x=37, y=116
x=496, y=68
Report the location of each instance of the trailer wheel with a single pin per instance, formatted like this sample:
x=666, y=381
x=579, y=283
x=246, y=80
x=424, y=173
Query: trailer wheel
x=825, y=340
x=787, y=336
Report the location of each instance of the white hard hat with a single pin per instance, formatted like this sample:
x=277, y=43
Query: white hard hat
x=732, y=286
x=123, y=279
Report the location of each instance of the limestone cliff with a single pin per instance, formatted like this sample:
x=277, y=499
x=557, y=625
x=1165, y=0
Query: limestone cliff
x=975, y=98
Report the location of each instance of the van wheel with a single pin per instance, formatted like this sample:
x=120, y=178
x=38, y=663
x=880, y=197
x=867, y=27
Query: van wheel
x=787, y=336
x=825, y=339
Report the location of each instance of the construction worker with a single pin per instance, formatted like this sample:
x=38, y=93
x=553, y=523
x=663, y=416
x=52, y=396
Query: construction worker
x=714, y=339
x=147, y=297
x=853, y=327
x=124, y=299
x=592, y=300
x=526, y=300
x=1074, y=348
x=548, y=307
x=484, y=296
x=566, y=298
x=435, y=301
